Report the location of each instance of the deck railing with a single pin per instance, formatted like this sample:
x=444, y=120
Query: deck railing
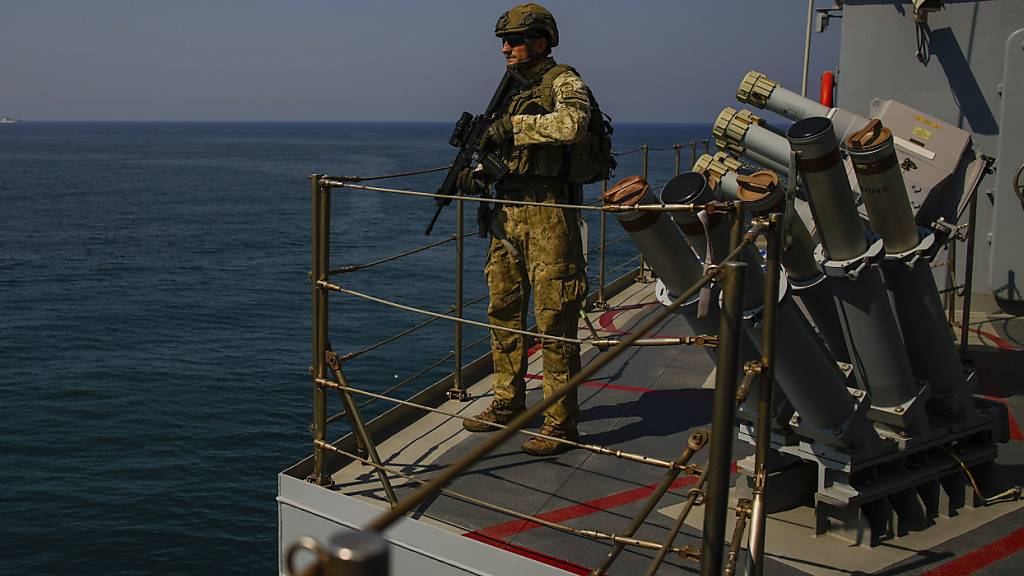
x=328, y=373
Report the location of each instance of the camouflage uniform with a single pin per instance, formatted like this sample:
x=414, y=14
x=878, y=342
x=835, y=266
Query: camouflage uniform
x=549, y=253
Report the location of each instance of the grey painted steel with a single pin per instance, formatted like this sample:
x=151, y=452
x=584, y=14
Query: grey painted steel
x=765, y=161
x=828, y=189
x=806, y=371
x=930, y=343
x=872, y=333
x=417, y=547
x=691, y=187
x=663, y=247
x=873, y=338
x=798, y=255
x=936, y=155
x=673, y=262
x=806, y=278
x=355, y=553
x=796, y=108
x=1007, y=257
x=804, y=367
x=885, y=196
x=791, y=105
x=968, y=80
x=817, y=298
x=768, y=144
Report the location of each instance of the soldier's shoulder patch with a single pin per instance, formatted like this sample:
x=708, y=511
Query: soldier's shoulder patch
x=568, y=82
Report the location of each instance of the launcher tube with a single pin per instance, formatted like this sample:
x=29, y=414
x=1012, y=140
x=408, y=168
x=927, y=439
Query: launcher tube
x=828, y=188
x=872, y=332
x=908, y=276
x=758, y=90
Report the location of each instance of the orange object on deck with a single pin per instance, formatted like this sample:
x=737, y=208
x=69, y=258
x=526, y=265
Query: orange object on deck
x=828, y=85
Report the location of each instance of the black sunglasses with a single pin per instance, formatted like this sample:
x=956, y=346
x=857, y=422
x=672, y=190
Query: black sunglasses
x=514, y=41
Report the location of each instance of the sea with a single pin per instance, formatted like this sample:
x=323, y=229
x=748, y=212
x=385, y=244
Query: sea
x=155, y=317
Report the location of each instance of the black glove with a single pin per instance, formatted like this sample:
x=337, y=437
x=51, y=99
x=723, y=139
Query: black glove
x=469, y=184
x=497, y=133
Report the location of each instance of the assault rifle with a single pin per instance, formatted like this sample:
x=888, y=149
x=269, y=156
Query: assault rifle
x=469, y=130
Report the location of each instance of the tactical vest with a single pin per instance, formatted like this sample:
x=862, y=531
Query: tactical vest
x=535, y=163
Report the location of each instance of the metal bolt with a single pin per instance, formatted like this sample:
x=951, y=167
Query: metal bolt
x=899, y=409
x=837, y=432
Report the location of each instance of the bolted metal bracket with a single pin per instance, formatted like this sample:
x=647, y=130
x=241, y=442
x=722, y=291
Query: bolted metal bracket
x=839, y=436
x=459, y=394
x=925, y=250
x=853, y=267
x=902, y=416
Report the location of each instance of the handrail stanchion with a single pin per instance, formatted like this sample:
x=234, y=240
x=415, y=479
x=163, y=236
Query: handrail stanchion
x=642, y=274
x=965, y=318
x=601, y=249
x=723, y=418
x=321, y=254
x=358, y=428
x=755, y=561
x=693, y=153
x=951, y=282
x=679, y=153
x=458, y=391
x=707, y=147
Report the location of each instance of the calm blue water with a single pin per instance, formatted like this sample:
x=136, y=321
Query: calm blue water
x=155, y=325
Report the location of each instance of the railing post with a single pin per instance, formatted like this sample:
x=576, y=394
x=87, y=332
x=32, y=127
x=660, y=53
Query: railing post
x=951, y=282
x=321, y=231
x=601, y=248
x=965, y=314
x=642, y=274
x=679, y=153
x=723, y=419
x=458, y=391
x=707, y=149
x=755, y=563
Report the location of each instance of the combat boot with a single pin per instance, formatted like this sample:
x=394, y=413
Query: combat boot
x=547, y=447
x=495, y=413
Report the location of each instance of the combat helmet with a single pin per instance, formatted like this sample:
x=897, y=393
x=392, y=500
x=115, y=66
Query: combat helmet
x=529, y=17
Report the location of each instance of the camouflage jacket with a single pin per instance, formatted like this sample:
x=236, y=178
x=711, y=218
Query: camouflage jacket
x=547, y=115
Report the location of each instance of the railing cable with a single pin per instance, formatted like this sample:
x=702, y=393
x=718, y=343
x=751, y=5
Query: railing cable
x=386, y=519
x=357, y=267
x=684, y=551
x=386, y=176
x=595, y=448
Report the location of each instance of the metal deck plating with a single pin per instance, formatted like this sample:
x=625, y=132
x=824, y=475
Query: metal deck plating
x=647, y=401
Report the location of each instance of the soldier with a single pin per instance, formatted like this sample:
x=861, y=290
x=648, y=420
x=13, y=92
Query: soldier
x=535, y=247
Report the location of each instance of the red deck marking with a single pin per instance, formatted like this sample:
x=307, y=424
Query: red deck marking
x=1015, y=433
x=996, y=339
x=560, y=515
x=989, y=554
x=528, y=553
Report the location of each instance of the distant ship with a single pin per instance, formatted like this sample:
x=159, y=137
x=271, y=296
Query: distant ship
x=6, y=120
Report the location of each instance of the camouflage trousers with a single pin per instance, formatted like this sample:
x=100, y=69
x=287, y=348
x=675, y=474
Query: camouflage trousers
x=547, y=260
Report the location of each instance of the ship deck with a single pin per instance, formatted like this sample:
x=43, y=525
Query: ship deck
x=647, y=402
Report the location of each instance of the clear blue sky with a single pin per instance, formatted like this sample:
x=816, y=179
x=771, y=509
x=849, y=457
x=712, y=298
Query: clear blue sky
x=647, y=61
